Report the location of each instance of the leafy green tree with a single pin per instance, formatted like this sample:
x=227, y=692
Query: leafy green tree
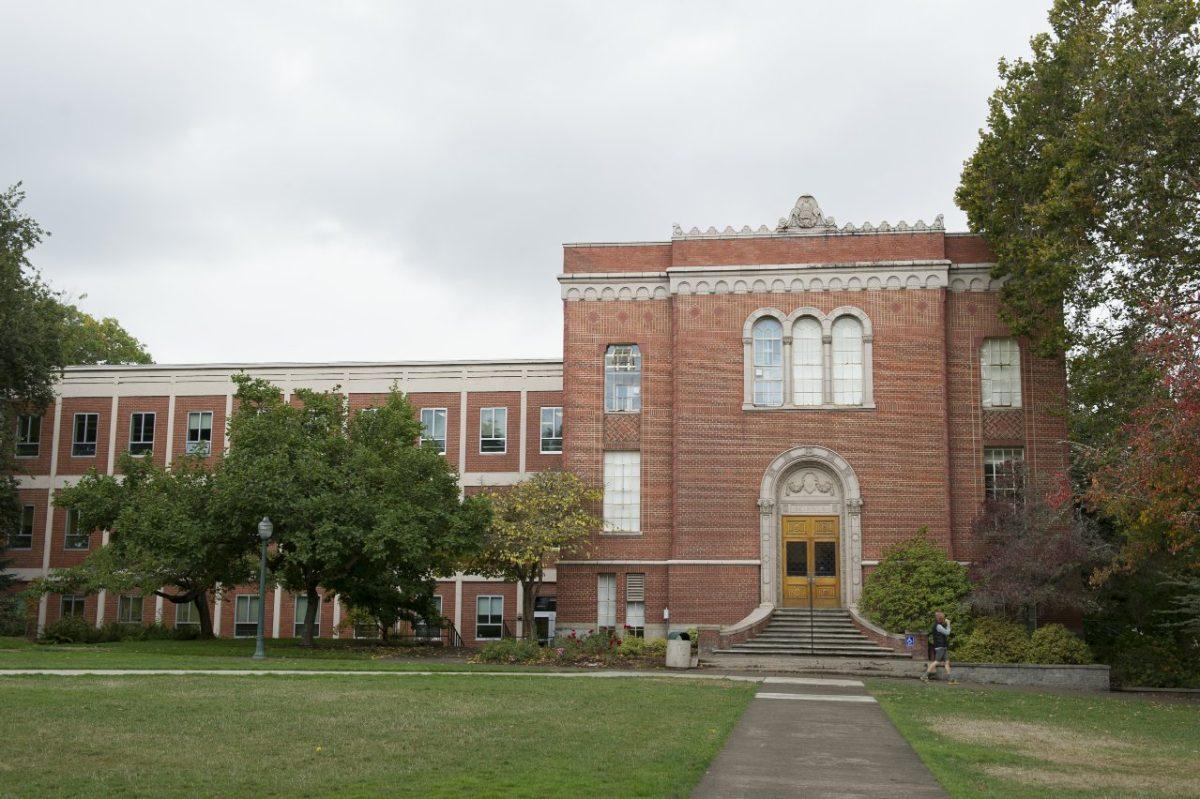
x=531, y=522
x=914, y=580
x=358, y=507
x=88, y=340
x=165, y=537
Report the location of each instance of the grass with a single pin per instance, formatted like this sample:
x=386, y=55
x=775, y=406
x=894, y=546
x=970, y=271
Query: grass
x=344, y=736
x=1014, y=743
x=225, y=653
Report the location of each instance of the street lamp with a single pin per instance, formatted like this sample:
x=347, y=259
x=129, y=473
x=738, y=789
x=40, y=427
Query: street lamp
x=265, y=528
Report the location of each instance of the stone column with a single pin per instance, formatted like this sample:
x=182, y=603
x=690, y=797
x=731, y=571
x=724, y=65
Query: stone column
x=748, y=371
x=788, y=394
x=827, y=369
x=766, y=521
x=854, y=545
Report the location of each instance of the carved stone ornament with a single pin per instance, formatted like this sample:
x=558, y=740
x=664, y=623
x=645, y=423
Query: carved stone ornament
x=854, y=507
x=766, y=506
x=806, y=215
x=809, y=483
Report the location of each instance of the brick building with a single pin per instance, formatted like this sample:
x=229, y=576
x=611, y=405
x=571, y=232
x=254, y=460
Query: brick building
x=768, y=410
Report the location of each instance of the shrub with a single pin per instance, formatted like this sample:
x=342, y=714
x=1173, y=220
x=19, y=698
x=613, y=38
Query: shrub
x=71, y=630
x=648, y=649
x=915, y=578
x=1153, y=659
x=12, y=615
x=510, y=650
x=1056, y=644
x=995, y=640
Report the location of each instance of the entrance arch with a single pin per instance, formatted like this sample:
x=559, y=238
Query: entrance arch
x=810, y=481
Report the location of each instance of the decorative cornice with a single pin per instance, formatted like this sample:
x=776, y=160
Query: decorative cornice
x=806, y=219
x=974, y=277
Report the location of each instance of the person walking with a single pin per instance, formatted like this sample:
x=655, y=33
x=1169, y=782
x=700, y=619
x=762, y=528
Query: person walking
x=940, y=636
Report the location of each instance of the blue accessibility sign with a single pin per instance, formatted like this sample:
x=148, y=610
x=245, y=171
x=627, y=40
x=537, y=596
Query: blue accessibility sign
x=910, y=641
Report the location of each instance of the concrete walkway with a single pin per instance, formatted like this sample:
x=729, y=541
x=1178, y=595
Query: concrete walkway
x=824, y=738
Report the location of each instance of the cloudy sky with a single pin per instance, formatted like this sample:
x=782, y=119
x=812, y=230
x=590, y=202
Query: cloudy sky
x=351, y=181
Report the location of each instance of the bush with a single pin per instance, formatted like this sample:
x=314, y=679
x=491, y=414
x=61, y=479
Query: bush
x=71, y=630
x=1056, y=644
x=642, y=648
x=510, y=650
x=995, y=640
x=915, y=578
x=12, y=615
x=1154, y=659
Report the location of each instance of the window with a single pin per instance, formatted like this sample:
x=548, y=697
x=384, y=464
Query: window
x=433, y=428
x=141, y=433
x=847, y=361
x=300, y=615
x=186, y=615
x=606, y=601
x=129, y=609
x=74, y=537
x=493, y=430
x=807, y=362
x=72, y=607
x=768, y=362
x=622, y=379
x=83, y=440
x=635, y=605
x=366, y=627
x=551, y=430
x=29, y=435
x=199, y=433
x=1001, y=366
x=430, y=629
x=23, y=538
x=489, y=618
x=245, y=616
x=622, y=491
x=1003, y=472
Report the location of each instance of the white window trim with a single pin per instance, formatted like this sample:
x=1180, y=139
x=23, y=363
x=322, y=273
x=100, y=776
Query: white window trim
x=606, y=597
x=985, y=378
x=191, y=606
x=237, y=601
x=446, y=423
x=18, y=442
x=141, y=610
x=32, y=529
x=788, y=321
x=75, y=428
x=187, y=436
x=70, y=514
x=541, y=439
x=640, y=374
x=143, y=414
x=297, y=620
x=489, y=596
x=612, y=531
x=505, y=439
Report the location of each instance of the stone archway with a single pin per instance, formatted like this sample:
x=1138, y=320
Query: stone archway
x=810, y=480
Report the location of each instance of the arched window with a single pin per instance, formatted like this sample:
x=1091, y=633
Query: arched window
x=768, y=362
x=622, y=378
x=847, y=361
x=806, y=362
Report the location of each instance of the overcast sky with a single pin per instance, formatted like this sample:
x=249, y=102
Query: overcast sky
x=378, y=181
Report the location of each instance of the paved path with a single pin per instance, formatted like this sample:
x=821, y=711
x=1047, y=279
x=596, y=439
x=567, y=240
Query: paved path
x=823, y=738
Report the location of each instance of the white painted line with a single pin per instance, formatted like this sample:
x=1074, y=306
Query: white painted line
x=815, y=697
x=813, y=681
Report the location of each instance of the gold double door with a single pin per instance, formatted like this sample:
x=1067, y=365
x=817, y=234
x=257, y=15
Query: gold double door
x=810, y=561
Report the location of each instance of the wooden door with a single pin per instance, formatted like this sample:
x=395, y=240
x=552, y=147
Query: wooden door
x=809, y=554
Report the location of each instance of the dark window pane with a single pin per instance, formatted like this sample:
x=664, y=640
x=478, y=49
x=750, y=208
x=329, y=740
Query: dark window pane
x=797, y=558
x=825, y=558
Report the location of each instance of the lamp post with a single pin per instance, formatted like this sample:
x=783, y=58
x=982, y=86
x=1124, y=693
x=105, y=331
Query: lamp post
x=265, y=528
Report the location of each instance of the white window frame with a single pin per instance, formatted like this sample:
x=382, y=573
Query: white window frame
x=193, y=615
x=23, y=539
x=994, y=461
x=490, y=615
x=125, y=605
x=29, y=435
x=485, y=413
x=606, y=601
x=635, y=604
x=71, y=531
x=250, y=599
x=72, y=600
x=199, y=444
x=623, y=492
x=429, y=428
x=808, y=371
x=555, y=425
x=849, y=361
x=79, y=448
x=137, y=432
x=769, y=377
x=622, y=378
x=1000, y=373
x=298, y=616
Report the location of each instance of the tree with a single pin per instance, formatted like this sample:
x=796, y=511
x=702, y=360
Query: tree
x=165, y=537
x=88, y=340
x=914, y=579
x=531, y=522
x=358, y=507
x=1086, y=182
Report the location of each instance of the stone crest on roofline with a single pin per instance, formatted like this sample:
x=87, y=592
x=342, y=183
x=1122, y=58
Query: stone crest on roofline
x=806, y=219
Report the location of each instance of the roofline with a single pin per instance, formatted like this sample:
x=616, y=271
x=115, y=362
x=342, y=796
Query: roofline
x=229, y=366
x=751, y=236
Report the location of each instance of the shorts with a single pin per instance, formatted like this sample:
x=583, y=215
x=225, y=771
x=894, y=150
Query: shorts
x=939, y=654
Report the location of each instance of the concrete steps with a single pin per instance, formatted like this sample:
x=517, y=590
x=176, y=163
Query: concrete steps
x=819, y=633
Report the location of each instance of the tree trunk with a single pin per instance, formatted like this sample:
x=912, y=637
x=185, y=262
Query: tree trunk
x=310, y=617
x=206, y=622
x=530, y=588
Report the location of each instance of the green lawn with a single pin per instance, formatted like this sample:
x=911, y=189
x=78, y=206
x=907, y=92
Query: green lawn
x=225, y=653
x=1012, y=743
x=345, y=736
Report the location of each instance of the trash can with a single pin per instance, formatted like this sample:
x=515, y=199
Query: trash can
x=679, y=651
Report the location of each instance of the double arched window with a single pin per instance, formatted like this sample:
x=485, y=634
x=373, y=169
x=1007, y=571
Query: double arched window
x=808, y=359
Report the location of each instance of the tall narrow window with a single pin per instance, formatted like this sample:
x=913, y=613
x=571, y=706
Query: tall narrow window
x=1003, y=472
x=199, y=433
x=433, y=428
x=806, y=362
x=75, y=538
x=847, y=361
x=635, y=605
x=23, y=537
x=141, y=433
x=129, y=609
x=29, y=435
x=551, y=430
x=186, y=615
x=245, y=616
x=622, y=378
x=302, y=613
x=623, y=491
x=606, y=601
x=768, y=362
x=493, y=430
x=489, y=618
x=83, y=438
x=1001, y=372
x=72, y=607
